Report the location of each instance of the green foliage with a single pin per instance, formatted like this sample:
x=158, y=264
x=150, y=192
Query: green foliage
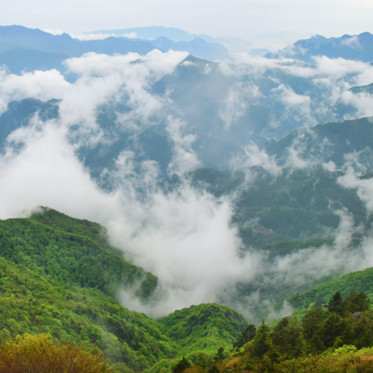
x=361, y=281
x=319, y=339
x=72, y=251
x=30, y=303
x=205, y=327
x=59, y=275
x=260, y=345
x=181, y=366
x=40, y=354
x=247, y=335
x=335, y=303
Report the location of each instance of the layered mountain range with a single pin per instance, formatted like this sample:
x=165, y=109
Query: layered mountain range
x=203, y=195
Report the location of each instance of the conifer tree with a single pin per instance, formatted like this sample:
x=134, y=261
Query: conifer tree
x=181, y=366
x=247, y=335
x=335, y=303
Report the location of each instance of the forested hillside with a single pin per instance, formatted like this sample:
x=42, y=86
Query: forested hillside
x=334, y=337
x=60, y=276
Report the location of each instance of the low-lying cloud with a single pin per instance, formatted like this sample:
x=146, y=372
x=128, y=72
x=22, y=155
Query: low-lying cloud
x=183, y=236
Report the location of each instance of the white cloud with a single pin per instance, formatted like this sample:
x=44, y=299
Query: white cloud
x=184, y=158
x=236, y=103
x=255, y=157
x=207, y=69
x=296, y=105
x=43, y=85
x=352, y=42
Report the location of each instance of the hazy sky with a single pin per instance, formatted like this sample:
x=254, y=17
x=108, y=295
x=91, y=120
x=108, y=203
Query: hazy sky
x=212, y=17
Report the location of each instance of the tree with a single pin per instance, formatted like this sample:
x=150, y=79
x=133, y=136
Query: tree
x=214, y=369
x=356, y=302
x=333, y=327
x=312, y=328
x=260, y=346
x=246, y=336
x=335, y=303
x=38, y=353
x=181, y=366
x=220, y=355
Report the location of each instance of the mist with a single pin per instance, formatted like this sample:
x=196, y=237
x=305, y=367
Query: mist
x=184, y=236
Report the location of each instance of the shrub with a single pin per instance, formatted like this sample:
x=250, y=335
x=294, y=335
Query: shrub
x=39, y=354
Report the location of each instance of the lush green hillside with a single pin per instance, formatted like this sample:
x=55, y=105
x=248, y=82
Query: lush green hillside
x=205, y=327
x=59, y=275
x=324, y=339
x=72, y=251
x=358, y=281
x=31, y=303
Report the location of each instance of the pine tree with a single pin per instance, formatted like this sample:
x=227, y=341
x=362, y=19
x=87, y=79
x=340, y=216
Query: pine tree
x=356, y=302
x=247, y=335
x=220, y=355
x=333, y=327
x=260, y=346
x=335, y=303
x=181, y=366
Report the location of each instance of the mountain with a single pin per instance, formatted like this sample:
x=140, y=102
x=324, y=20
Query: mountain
x=72, y=251
x=233, y=44
x=329, y=142
x=360, y=281
x=44, y=42
x=153, y=32
x=274, y=40
x=59, y=275
x=350, y=47
x=197, y=47
x=18, y=59
x=258, y=52
x=24, y=49
x=366, y=89
x=203, y=328
x=226, y=107
x=39, y=266
x=290, y=206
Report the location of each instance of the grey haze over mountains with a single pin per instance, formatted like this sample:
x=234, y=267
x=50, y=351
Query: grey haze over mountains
x=349, y=47
x=189, y=161
x=234, y=44
x=271, y=40
x=27, y=49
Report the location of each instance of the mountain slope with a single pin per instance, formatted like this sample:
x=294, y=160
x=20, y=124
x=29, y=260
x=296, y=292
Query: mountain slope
x=350, y=47
x=78, y=255
x=42, y=41
x=24, y=49
x=233, y=44
x=59, y=275
x=327, y=142
x=358, y=281
x=205, y=327
x=197, y=47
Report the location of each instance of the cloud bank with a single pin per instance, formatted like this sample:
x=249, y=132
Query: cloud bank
x=183, y=236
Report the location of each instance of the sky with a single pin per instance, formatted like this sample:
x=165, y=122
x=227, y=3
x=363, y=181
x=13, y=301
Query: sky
x=240, y=18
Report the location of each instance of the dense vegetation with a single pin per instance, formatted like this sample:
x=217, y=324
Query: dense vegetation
x=361, y=281
x=297, y=204
x=40, y=354
x=324, y=339
x=59, y=275
x=71, y=251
